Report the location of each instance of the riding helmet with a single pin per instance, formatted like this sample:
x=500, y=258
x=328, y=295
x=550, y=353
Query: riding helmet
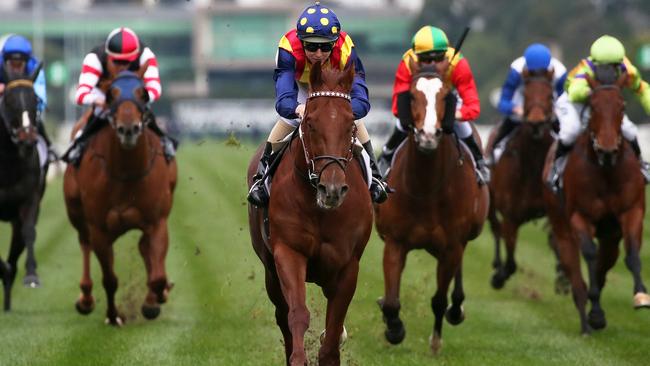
x=607, y=50
x=17, y=47
x=430, y=39
x=318, y=24
x=122, y=44
x=537, y=57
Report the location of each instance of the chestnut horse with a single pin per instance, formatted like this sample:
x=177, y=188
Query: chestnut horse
x=319, y=218
x=123, y=182
x=516, y=184
x=604, y=197
x=437, y=205
x=22, y=177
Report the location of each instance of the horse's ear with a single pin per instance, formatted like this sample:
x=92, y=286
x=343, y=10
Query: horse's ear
x=34, y=74
x=550, y=73
x=593, y=83
x=348, y=76
x=525, y=73
x=315, y=75
x=414, y=66
x=622, y=79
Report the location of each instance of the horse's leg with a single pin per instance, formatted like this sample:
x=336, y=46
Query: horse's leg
x=394, y=261
x=103, y=247
x=339, y=294
x=562, y=284
x=455, y=314
x=570, y=259
x=501, y=274
x=632, y=226
x=607, y=256
x=86, y=302
x=29, y=218
x=495, y=227
x=448, y=265
x=153, y=248
x=292, y=272
x=15, y=250
x=5, y=270
x=274, y=291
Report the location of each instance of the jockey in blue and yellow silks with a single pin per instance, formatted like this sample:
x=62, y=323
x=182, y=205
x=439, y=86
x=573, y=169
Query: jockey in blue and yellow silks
x=317, y=38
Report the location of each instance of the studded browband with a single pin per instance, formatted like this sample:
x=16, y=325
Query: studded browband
x=330, y=94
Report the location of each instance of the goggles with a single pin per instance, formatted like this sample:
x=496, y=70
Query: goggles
x=313, y=47
x=432, y=57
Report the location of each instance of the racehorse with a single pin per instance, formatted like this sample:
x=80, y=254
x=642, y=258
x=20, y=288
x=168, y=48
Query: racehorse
x=22, y=177
x=437, y=205
x=123, y=182
x=516, y=184
x=319, y=217
x=603, y=197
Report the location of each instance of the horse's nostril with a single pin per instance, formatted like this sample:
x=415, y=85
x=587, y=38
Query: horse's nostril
x=321, y=188
x=344, y=190
x=120, y=130
x=136, y=129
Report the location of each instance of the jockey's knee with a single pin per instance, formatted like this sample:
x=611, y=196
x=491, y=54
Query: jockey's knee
x=463, y=129
x=629, y=129
x=282, y=128
x=362, y=132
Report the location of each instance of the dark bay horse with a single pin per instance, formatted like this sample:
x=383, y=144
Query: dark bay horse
x=604, y=197
x=437, y=205
x=22, y=179
x=516, y=184
x=123, y=182
x=319, y=218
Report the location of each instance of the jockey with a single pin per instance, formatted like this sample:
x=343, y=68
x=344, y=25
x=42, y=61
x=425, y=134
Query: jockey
x=606, y=61
x=536, y=58
x=430, y=46
x=122, y=51
x=17, y=60
x=317, y=38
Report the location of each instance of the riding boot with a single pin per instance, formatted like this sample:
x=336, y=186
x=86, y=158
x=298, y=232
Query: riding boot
x=482, y=171
x=169, y=144
x=378, y=191
x=258, y=195
x=388, y=151
x=559, y=162
x=73, y=154
x=507, y=126
x=645, y=167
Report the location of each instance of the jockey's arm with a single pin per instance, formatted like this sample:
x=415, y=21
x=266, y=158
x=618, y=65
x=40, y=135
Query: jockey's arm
x=286, y=89
x=463, y=80
x=360, y=100
x=151, y=75
x=41, y=91
x=578, y=89
x=87, y=91
x=401, y=85
x=640, y=87
x=513, y=80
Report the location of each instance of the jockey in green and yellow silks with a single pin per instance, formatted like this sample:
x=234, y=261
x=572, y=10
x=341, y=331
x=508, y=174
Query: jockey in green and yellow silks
x=606, y=62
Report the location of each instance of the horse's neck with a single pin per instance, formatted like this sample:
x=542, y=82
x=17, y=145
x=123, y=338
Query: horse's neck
x=584, y=155
x=433, y=171
x=530, y=149
x=129, y=162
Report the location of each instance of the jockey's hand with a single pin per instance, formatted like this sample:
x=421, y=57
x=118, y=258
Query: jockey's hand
x=100, y=104
x=300, y=110
x=518, y=111
x=2, y=88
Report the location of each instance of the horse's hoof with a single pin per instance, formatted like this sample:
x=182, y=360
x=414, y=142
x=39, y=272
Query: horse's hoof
x=395, y=336
x=497, y=281
x=342, y=339
x=117, y=322
x=31, y=281
x=435, y=342
x=597, y=320
x=641, y=300
x=453, y=316
x=150, y=312
x=84, y=309
x=562, y=285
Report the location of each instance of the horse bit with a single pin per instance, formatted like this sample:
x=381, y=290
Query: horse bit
x=312, y=174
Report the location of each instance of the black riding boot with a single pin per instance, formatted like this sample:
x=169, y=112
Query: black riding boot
x=507, y=126
x=645, y=167
x=73, y=154
x=387, y=152
x=482, y=172
x=258, y=195
x=557, y=168
x=169, y=144
x=378, y=186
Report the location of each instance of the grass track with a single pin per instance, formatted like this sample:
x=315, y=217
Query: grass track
x=218, y=313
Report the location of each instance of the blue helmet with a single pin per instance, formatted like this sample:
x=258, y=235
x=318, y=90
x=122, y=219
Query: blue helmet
x=17, y=45
x=318, y=24
x=537, y=56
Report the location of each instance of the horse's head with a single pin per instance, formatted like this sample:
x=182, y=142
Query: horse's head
x=18, y=109
x=538, y=100
x=428, y=100
x=607, y=110
x=327, y=132
x=126, y=99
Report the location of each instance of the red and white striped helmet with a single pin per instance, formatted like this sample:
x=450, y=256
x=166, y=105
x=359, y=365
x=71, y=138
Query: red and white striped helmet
x=122, y=44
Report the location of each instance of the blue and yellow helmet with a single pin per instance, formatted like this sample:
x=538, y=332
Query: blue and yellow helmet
x=318, y=24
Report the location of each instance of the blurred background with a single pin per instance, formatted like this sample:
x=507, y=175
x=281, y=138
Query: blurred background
x=216, y=57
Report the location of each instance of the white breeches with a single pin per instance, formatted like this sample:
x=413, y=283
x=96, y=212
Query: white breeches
x=570, y=124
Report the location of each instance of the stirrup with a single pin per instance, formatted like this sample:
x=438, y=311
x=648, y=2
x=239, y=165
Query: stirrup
x=645, y=171
x=383, y=163
x=73, y=154
x=378, y=190
x=482, y=173
x=257, y=195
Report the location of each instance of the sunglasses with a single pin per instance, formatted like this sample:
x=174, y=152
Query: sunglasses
x=432, y=57
x=313, y=47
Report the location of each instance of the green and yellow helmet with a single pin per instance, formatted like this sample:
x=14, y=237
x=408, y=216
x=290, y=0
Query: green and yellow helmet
x=607, y=50
x=430, y=39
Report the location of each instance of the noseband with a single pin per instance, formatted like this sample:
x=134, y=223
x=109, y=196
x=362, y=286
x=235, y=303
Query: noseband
x=313, y=174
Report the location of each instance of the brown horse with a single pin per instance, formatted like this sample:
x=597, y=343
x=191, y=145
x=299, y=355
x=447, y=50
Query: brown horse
x=604, y=197
x=319, y=218
x=437, y=205
x=123, y=182
x=516, y=184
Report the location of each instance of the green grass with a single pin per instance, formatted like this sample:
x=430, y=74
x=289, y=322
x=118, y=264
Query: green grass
x=218, y=312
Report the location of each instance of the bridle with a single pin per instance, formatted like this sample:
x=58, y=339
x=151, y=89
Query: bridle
x=529, y=106
x=341, y=161
x=27, y=126
x=602, y=155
